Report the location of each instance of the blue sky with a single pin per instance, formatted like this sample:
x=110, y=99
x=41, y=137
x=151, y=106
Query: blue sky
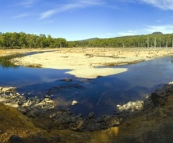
x=82, y=19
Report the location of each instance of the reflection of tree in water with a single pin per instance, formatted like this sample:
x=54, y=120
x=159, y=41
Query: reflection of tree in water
x=171, y=59
x=5, y=61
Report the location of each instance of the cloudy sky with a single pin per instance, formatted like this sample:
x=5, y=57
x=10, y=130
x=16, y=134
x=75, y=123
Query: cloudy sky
x=82, y=19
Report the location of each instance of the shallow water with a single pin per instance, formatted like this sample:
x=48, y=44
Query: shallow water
x=99, y=95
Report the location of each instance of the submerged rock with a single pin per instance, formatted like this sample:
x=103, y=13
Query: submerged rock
x=74, y=102
x=66, y=79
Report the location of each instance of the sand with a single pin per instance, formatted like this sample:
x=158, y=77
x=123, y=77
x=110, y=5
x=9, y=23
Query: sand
x=89, y=62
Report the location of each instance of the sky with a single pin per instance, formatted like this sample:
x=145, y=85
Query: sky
x=83, y=19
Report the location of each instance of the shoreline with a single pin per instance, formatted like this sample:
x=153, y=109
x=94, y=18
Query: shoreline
x=135, y=121
x=83, y=63
x=131, y=118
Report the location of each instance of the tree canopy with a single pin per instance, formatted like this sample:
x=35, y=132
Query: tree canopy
x=151, y=40
x=22, y=40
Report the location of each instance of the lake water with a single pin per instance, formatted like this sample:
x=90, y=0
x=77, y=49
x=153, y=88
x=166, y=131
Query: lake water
x=99, y=95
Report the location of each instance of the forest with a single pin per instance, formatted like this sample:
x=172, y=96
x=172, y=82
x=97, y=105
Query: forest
x=22, y=40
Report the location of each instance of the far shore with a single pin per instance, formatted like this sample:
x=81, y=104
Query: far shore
x=83, y=62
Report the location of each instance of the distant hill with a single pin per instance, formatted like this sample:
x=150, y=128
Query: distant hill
x=157, y=33
x=90, y=39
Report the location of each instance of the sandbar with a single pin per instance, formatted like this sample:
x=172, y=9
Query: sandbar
x=91, y=62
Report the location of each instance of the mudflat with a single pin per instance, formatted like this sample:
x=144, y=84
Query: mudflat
x=86, y=62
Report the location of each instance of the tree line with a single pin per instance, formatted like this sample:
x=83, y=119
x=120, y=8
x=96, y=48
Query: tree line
x=165, y=40
x=23, y=40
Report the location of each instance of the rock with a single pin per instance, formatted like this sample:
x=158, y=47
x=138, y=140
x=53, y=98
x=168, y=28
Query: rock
x=40, y=140
x=66, y=79
x=90, y=127
x=57, y=122
x=7, y=89
x=74, y=103
x=22, y=110
x=31, y=114
x=158, y=99
x=20, y=103
x=15, y=139
x=150, y=116
x=1, y=117
x=169, y=114
x=2, y=131
x=73, y=119
x=91, y=115
x=56, y=139
x=34, y=65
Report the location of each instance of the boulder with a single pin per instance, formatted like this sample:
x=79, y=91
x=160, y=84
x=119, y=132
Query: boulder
x=157, y=99
x=15, y=139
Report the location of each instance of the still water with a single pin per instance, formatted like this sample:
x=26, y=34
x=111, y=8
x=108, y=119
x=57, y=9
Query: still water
x=99, y=95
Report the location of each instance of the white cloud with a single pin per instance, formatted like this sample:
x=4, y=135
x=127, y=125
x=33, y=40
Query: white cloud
x=90, y=2
x=48, y=13
x=128, y=33
x=21, y=15
x=162, y=4
x=28, y=3
x=70, y=6
x=51, y=12
x=161, y=28
x=158, y=21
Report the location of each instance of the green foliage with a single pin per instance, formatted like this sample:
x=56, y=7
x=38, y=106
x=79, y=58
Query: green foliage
x=22, y=40
x=158, y=40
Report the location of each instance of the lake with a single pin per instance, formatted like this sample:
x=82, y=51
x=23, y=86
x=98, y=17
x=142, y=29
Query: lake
x=99, y=95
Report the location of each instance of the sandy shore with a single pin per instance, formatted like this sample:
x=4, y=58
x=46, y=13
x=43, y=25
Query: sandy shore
x=84, y=62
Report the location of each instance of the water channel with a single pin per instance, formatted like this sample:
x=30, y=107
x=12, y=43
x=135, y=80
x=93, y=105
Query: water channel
x=99, y=95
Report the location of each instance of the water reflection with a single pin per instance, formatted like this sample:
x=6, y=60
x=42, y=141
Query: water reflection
x=172, y=59
x=99, y=95
x=5, y=61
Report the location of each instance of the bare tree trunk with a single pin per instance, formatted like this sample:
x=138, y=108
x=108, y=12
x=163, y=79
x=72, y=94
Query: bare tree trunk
x=123, y=44
x=166, y=43
x=160, y=42
x=155, y=42
x=148, y=42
